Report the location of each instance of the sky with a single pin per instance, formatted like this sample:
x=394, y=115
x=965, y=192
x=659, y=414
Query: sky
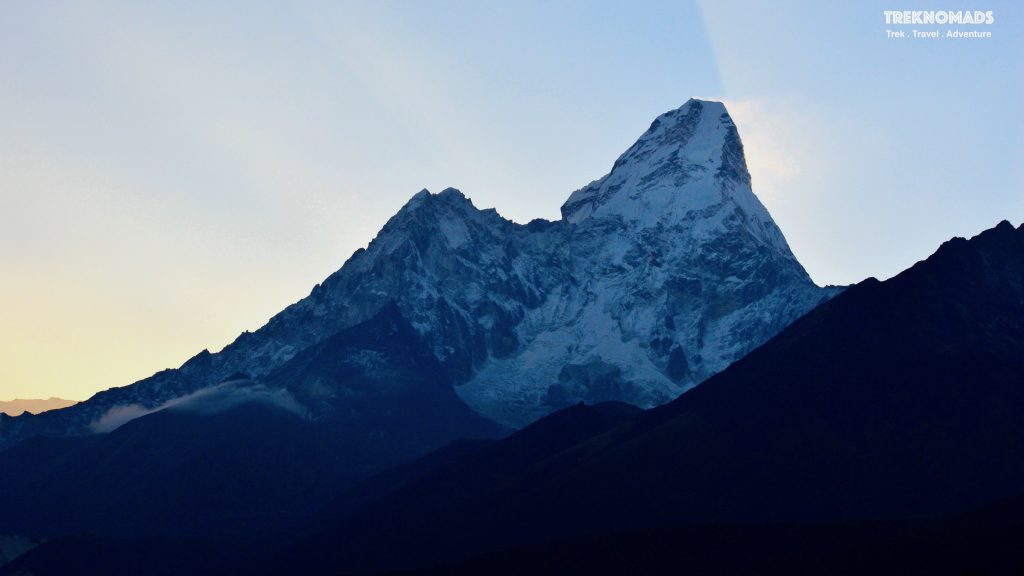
x=173, y=173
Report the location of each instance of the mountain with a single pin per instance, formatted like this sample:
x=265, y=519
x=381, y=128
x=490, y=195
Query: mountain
x=670, y=270
x=245, y=458
x=657, y=276
x=16, y=407
x=894, y=400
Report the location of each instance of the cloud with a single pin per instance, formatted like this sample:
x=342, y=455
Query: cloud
x=207, y=401
x=118, y=416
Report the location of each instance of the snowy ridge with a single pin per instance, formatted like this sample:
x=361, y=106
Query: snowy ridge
x=657, y=276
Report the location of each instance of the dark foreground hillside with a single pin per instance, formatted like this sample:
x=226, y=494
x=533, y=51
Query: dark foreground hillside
x=985, y=541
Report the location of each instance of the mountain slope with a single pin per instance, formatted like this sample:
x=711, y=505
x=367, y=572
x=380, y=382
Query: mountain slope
x=895, y=399
x=658, y=275
x=985, y=541
x=244, y=458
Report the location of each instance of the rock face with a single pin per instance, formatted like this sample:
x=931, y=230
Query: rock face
x=657, y=276
x=670, y=270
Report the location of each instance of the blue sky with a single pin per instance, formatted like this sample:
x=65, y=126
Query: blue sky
x=174, y=173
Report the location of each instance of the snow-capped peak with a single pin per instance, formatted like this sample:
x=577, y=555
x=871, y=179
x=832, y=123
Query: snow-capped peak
x=688, y=162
